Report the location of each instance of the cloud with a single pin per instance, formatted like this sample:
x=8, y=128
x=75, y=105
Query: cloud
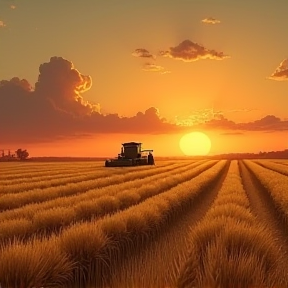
x=281, y=72
x=268, y=123
x=2, y=24
x=210, y=20
x=55, y=109
x=232, y=133
x=12, y=6
x=143, y=53
x=150, y=67
x=189, y=51
x=165, y=72
x=215, y=120
x=63, y=85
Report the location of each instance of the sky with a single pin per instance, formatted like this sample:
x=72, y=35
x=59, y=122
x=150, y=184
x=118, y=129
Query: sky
x=80, y=77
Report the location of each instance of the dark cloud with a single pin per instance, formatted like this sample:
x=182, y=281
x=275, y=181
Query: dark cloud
x=143, y=53
x=62, y=84
x=210, y=20
x=56, y=109
x=189, y=51
x=281, y=72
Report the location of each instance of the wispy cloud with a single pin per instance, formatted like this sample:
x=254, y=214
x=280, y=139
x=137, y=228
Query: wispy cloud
x=142, y=53
x=189, y=51
x=215, y=120
x=210, y=20
x=232, y=133
x=150, y=67
x=12, y=6
x=2, y=24
x=281, y=72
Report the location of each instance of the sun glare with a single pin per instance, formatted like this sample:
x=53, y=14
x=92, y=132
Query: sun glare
x=195, y=143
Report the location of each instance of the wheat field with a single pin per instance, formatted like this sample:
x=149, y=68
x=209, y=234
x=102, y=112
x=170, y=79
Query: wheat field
x=178, y=224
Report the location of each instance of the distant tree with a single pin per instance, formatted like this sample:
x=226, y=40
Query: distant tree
x=22, y=154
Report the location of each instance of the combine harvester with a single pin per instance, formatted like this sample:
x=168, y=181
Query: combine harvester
x=131, y=155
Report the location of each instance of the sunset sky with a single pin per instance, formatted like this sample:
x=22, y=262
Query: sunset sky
x=80, y=77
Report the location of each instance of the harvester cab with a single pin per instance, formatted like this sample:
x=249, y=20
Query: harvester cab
x=131, y=155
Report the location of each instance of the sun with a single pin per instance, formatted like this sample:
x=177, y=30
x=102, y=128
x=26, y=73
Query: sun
x=195, y=143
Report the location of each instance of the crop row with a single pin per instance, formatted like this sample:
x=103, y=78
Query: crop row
x=273, y=166
x=86, y=249
x=52, y=178
x=275, y=183
x=90, y=180
x=16, y=200
x=16, y=181
x=53, y=215
x=30, y=170
x=228, y=242
x=66, y=198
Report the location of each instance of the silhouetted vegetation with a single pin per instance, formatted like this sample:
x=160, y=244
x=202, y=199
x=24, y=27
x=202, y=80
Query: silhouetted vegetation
x=22, y=154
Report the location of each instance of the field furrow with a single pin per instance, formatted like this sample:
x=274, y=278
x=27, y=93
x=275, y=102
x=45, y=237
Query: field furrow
x=275, y=183
x=146, y=267
x=263, y=207
x=273, y=166
x=228, y=242
x=50, y=217
x=97, y=175
x=29, y=170
x=86, y=250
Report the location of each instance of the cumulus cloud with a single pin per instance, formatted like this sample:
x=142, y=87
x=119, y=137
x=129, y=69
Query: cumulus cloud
x=210, y=20
x=189, y=51
x=142, y=53
x=2, y=24
x=55, y=109
x=60, y=82
x=281, y=72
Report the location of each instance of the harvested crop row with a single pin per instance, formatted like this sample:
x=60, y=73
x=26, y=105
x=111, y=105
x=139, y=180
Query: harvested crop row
x=98, y=174
x=28, y=170
x=228, y=242
x=16, y=200
x=94, y=205
x=47, y=176
x=55, y=173
x=90, y=247
x=275, y=183
x=273, y=166
x=58, y=174
x=28, y=211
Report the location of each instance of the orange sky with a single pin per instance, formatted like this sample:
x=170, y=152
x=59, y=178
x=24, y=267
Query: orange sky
x=102, y=73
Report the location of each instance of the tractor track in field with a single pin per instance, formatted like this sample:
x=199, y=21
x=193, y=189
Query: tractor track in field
x=262, y=206
x=162, y=244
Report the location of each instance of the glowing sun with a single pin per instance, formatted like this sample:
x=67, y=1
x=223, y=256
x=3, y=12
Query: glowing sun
x=195, y=143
